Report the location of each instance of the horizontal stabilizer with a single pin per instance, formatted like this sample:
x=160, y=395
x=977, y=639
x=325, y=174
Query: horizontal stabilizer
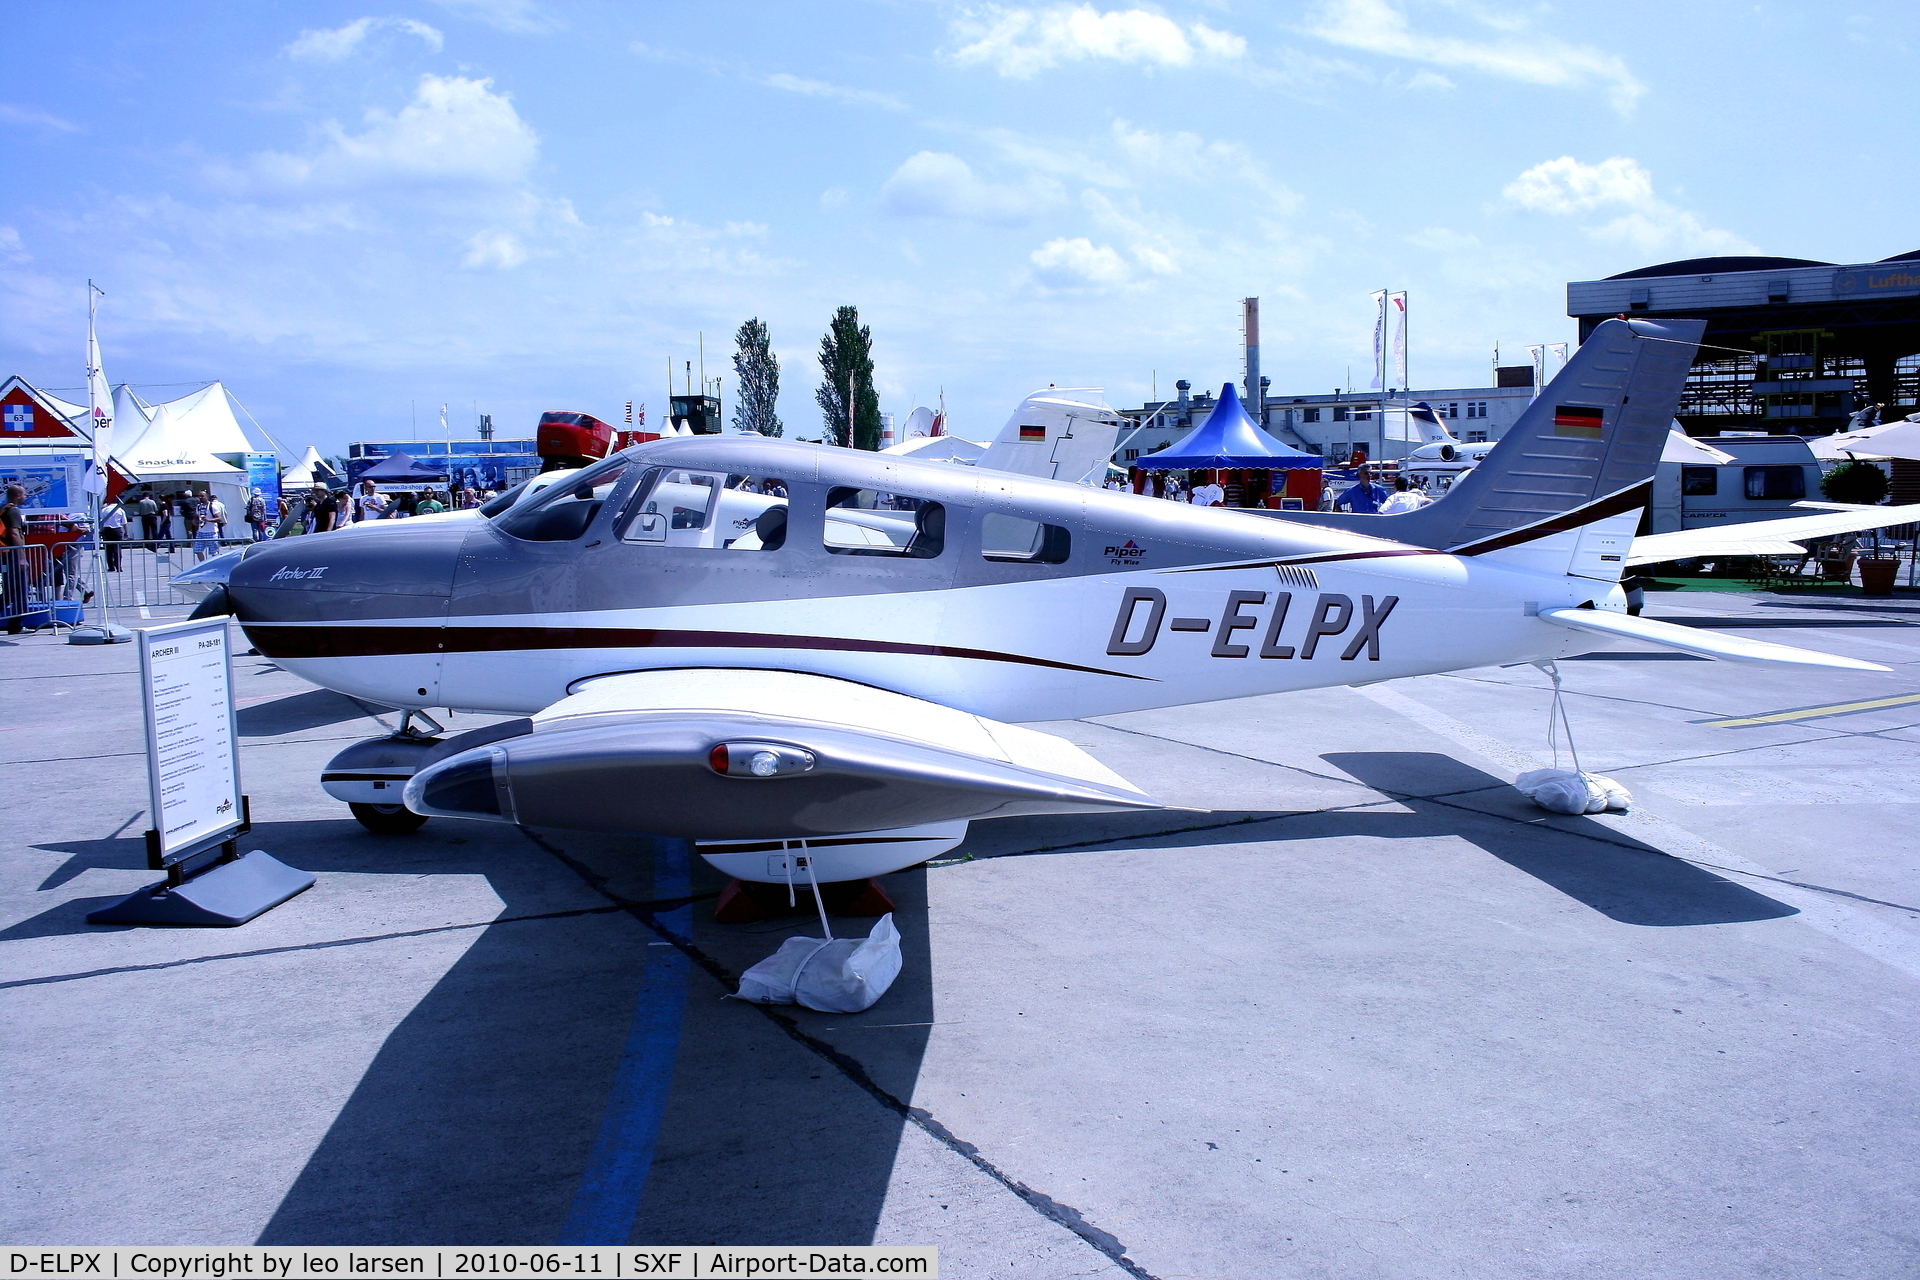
x=1708, y=644
x=1766, y=537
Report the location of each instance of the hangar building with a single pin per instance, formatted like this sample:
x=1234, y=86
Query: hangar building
x=1796, y=345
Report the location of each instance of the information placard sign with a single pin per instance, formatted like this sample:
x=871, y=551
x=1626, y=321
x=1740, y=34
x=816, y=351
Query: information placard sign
x=193, y=750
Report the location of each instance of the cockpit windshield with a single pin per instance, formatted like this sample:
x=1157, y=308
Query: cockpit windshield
x=565, y=512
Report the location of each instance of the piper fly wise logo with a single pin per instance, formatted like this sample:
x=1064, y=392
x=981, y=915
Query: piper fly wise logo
x=1128, y=553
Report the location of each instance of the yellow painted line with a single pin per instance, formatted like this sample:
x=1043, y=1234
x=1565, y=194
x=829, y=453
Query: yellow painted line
x=1809, y=713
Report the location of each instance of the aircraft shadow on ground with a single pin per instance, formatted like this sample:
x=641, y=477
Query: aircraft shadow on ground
x=476, y=1118
x=474, y=1121
x=1614, y=874
x=296, y=713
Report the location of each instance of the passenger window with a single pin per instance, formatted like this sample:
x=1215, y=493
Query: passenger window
x=1014, y=540
x=1776, y=482
x=1699, y=482
x=865, y=522
x=568, y=509
x=753, y=514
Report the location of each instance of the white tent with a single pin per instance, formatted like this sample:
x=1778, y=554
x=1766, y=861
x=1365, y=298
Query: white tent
x=1683, y=448
x=169, y=451
x=312, y=469
x=1897, y=439
x=937, y=449
x=207, y=418
x=131, y=418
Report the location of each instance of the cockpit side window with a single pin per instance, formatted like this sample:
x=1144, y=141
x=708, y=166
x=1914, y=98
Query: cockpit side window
x=678, y=507
x=567, y=510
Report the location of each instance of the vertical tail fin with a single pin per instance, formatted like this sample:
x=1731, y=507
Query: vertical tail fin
x=1585, y=450
x=1061, y=433
x=1432, y=430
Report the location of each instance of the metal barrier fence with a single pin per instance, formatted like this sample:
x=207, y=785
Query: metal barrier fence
x=26, y=585
x=41, y=585
x=145, y=569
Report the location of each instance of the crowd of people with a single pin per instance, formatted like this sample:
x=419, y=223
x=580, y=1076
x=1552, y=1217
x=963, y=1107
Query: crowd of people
x=1370, y=493
x=201, y=521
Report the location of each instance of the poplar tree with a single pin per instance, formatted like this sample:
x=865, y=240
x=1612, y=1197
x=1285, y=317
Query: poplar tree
x=757, y=381
x=846, y=365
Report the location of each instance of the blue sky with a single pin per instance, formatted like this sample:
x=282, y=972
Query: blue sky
x=346, y=210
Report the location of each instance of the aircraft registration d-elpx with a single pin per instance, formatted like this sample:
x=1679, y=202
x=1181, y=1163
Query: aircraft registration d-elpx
x=768, y=646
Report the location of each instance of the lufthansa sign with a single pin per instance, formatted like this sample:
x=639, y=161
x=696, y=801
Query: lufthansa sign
x=1877, y=281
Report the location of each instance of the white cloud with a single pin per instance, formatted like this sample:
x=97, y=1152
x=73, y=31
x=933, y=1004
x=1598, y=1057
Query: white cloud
x=1021, y=42
x=1193, y=158
x=1421, y=80
x=934, y=184
x=12, y=251
x=1377, y=26
x=1078, y=263
x=40, y=119
x=516, y=17
x=498, y=249
x=840, y=93
x=454, y=128
x=1567, y=186
x=336, y=43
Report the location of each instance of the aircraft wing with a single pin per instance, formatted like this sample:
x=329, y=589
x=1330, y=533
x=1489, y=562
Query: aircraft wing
x=747, y=753
x=1765, y=537
x=1708, y=644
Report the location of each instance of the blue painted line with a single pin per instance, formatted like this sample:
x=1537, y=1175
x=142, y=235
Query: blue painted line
x=610, y=1188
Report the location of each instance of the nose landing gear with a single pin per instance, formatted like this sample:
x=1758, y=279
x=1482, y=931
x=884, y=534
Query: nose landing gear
x=370, y=775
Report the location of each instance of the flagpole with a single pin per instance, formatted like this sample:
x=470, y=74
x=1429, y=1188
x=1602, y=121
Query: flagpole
x=100, y=420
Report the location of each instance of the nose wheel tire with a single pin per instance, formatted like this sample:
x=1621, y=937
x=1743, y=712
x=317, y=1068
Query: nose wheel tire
x=388, y=819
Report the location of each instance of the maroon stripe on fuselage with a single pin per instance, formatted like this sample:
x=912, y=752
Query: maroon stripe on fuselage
x=305, y=640
x=1612, y=505
x=1327, y=557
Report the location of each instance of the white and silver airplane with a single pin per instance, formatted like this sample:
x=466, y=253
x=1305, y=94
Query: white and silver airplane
x=844, y=676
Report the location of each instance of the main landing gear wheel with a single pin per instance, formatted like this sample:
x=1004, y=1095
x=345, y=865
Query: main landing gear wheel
x=388, y=819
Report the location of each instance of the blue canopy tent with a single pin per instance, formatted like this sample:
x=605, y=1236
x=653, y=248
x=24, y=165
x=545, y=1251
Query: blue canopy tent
x=1229, y=440
x=400, y=467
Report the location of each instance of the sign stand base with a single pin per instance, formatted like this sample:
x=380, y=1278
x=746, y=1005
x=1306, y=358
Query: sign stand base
x=99, y=633
x=229, y=891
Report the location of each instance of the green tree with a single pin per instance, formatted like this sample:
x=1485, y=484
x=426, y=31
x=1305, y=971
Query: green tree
x=757, y=379
x=1856, y=481
x=846, y=363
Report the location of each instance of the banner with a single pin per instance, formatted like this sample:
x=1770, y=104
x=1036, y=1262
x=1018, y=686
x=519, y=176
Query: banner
x=1539, y=355
x=55, y=484
x=1379, y=339
x=263, y=474
x=1399, y=301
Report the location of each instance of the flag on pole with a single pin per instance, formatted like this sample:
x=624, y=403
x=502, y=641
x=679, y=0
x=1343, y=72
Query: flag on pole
x=1539, y=355
x=1399, y=301
x=1379, y=339
x=1559, y=350
x=99, y=398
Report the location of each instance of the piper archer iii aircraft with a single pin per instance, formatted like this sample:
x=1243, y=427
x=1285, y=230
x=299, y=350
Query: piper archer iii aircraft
x=771, y=647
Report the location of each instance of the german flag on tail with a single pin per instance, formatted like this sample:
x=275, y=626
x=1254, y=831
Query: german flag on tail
x=1033, y=433
x=1576, y=420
